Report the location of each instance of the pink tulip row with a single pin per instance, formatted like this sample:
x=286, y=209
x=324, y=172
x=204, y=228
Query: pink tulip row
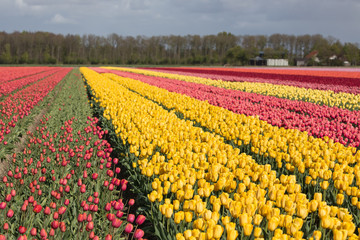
x=10, y=86
x=19, y=105
x=12, y=73
x=283, y=81
x=341, y=125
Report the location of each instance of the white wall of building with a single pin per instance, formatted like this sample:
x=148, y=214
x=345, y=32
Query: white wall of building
x=277, y=62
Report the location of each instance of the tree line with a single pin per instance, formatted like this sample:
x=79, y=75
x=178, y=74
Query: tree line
x=222, y=48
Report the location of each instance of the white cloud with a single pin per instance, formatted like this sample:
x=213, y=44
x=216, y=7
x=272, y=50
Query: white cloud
x=58, y=18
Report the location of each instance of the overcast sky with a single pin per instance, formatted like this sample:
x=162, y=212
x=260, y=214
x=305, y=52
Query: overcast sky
x=337, y=18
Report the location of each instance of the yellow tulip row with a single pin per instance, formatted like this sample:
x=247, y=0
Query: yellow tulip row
x=191, y=162
x=290, y=146
x=323, y=97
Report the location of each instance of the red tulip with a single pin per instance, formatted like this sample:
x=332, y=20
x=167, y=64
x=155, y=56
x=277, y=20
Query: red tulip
x=37, y=208
x=47, y=210
x=62, y=227
x=22, y=230
x=108, y=207
x=80, y=218
x=62, y=210
x=138, y=234
x=13, y=192
x=129, y=227
x=8, y=198
x=2, y=205
x=43, y=233
x=110, y=216
x=10, y=213
x=95, y=176
x=54, y=224
x=116, y=223
x=140, y=219
x=119, y=214
x=89, y=226
x=6, y=226
x=33, y=232
x=131, y=218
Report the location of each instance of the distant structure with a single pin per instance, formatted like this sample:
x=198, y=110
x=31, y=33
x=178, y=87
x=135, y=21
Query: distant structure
x=258, y=61
x=277, y=62
x=311, y=56
x=261, y=61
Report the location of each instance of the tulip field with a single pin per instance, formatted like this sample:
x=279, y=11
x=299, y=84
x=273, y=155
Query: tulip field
x=58, y=178
x=179, y=153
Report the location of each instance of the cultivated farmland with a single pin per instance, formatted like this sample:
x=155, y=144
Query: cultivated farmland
x=179, y=153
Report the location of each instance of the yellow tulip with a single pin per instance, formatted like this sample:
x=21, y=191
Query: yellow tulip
x=232, y=234
x=188, y=217
x=317, y=235
x=248, y=227
x=187, y=234
x=244, y=219
x=218, y=231
x=180, y=236
x=339, y=199
x=176, y=204
x=327, y=222
x=273, y=223
x=152, y=196
x=178, y=217
x=302, y=211
x=195, y=233
x=257, y=219
x=338, y=235
x=257, y=232
x=199, y=224
x=225, y=220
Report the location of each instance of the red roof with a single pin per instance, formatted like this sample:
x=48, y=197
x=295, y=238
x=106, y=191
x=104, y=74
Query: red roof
x=312, y=54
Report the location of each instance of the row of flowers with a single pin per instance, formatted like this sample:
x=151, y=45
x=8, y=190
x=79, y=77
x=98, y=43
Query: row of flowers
x=320, y=72
x=12, y=73
x=342, y=100
x=203, y=187
x=10, y=86
x=341, y=125
x=228, y=126
x=63, y=184
x=19, y=105
x=224, y=76
x=316, y=76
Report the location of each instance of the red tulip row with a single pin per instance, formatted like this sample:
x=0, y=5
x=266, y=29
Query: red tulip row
x=19, y=105
x=9, y=86
x=335, y=82
x=64, y=183
x=61, y=174
x=323, y=72
x=12, y=73
x=341, y=125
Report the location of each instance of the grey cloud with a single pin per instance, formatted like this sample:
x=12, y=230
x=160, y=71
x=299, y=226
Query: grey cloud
x=181, y=17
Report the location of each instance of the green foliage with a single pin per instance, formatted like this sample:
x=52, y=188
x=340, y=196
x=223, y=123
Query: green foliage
x=221, y=48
